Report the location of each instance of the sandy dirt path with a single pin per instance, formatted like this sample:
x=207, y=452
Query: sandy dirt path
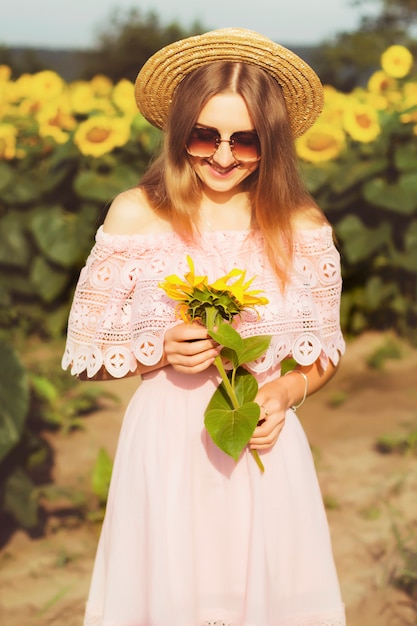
x=44, y=581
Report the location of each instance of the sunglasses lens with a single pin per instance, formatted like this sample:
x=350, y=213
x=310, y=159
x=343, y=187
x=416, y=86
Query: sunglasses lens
x=246, y=146
x=202, y=142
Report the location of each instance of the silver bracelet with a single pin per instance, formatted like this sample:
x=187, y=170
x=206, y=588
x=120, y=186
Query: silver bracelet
x=297, y=406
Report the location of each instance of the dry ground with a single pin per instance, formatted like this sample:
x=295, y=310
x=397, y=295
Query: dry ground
x=45, y=581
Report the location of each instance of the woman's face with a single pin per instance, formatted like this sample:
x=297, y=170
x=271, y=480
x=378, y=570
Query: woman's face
x=222, y=173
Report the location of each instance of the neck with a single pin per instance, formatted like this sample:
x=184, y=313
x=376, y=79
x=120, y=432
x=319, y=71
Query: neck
x=233, y=214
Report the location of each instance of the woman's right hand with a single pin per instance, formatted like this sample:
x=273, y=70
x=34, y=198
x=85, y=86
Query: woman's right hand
x=189, y=349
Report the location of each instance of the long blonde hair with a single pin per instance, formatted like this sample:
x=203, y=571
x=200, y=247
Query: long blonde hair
x=275, y=188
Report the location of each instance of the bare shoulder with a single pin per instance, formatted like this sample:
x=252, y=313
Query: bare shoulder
x=308, y=218
x=131, y=214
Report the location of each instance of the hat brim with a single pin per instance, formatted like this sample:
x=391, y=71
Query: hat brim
x=160, y=76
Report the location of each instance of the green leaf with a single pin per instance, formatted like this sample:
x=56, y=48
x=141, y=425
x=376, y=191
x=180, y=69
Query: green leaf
x=6, y=175
x=236, y=349
x=60, y=235
x=26, y=189
x=14, y=246
x=19, y=499
x=359, y=242
x=377, y=292
x=408, y=258
x=14, y=398
x=318, y=175
x=48, y=281
x=253, y=348
x=231, y=429
x=245, y=386
x=405, y=157
x=103, y=187
x=102, y=474
x=400, y=197
x=359, y=171
x=227, y=336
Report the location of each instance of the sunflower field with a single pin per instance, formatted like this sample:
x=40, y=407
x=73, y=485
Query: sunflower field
x=67, y=149
x=360, y=164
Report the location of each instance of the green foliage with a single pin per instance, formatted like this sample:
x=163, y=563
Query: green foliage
x=370, y=196
x=14, y=399
x=331, y=503
x=348, y=58
x=51, y=203
x=337, y=398
x=32, y=403
x=390, y=349
x=232, y=415
x=398, y=443
x=101, y=476
x=405, y=574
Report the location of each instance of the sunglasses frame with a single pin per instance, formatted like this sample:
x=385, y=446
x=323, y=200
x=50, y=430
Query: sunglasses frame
x=217, y=140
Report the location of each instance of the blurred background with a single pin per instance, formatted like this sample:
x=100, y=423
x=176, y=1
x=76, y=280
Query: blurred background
x=71, y=139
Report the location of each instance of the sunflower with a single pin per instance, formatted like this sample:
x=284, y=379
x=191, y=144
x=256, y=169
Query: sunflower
x=101, y=134
x=123, y=96
x=361, y=122
x=55, y=120
x=46, y=85
x=5, y=73
x=228, y=295
x=323, y=142
x=101, y=85
x=397, y=61
x=334, y=105
x=82, y=97
x=379, y=82
x=7, y=141
x=409, y=106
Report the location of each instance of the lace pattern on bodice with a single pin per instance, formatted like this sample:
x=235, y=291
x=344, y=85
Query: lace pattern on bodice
x=119, y=314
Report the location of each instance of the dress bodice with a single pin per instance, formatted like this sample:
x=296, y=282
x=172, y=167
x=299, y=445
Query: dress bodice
x=120, y=314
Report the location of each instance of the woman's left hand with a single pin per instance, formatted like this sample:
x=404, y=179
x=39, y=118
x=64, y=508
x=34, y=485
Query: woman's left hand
x=273, y=401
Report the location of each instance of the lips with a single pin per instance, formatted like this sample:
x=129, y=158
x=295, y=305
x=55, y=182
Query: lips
x=223, y=171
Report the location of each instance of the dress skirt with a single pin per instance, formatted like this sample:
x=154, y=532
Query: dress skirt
x=192, y=538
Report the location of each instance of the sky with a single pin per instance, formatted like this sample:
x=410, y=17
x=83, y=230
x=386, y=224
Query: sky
x=76, y=23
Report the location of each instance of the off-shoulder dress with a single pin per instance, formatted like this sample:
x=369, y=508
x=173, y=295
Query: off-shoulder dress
x=190, y=537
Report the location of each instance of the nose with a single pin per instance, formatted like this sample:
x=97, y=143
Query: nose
x=224, y=155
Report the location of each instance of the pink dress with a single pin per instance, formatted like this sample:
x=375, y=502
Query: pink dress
x=190, y=537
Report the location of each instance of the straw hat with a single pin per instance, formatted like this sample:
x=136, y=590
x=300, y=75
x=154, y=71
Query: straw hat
x=162, y=73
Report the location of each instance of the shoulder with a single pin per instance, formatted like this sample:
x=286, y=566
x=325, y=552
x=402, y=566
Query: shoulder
x=131, y=214
x=308, y=218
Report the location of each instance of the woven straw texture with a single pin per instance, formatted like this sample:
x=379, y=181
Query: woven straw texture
x=162, y=73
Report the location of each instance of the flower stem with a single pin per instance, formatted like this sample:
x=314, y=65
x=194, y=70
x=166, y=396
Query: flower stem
x=211, y=316
x=257, y=458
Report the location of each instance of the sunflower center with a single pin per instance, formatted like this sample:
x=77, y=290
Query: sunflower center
x=363, y=121
x=98, y=135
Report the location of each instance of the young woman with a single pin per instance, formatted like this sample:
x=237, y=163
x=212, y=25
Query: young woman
x=191, y=537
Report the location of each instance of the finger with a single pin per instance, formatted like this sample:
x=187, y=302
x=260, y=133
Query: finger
x=261, y=443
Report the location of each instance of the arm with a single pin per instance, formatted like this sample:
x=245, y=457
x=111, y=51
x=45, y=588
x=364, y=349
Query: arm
x=289, y=391
x=187, y=348
x=281, y=394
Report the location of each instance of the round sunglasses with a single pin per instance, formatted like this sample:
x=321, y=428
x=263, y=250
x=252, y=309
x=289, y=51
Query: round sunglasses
x=204, y=142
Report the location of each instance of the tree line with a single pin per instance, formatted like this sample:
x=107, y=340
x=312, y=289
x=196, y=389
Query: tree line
x=129, y=38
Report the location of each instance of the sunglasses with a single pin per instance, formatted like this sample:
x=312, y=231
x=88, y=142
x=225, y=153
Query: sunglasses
x=244, y=144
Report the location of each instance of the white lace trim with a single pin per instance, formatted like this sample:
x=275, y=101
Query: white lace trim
x=119, y=314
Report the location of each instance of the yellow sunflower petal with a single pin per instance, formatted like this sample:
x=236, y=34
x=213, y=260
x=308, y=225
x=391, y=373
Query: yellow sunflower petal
x=397, y=61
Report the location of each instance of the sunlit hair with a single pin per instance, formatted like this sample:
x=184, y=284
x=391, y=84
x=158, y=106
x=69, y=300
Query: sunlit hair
x=275, y=188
